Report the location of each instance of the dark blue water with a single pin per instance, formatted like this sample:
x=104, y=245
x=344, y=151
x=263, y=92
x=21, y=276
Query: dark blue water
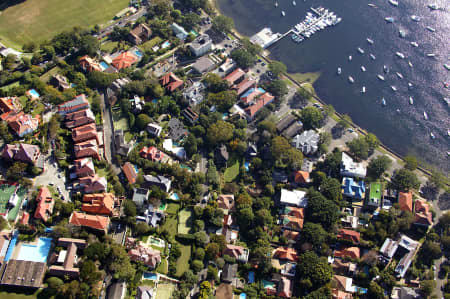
x=406, y=132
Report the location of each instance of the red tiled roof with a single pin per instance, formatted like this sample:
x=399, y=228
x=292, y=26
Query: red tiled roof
x=263, y=100
x=170, y=82
x=21, y=152
x=338, y=294
x=93, y=221
x=291, y=235
x=424, y=218
x=292, y=222
x=45, y=204
x=296, y=212
x=234, y=76
x=152, y=153
x=87, y=149
x=251, y=95
x=421, y=206
x=234, y=250
x=130, y=172
x=79, y=118
x=405, y=200
x=93, y=183
x=349, y=235
x=285, y=288
x=89, y=64
x=10, y=104
x=148, y=256
x=25, y=218
x=99, y=203
x=244, y=85
x=84, y=133
x=22, y=123
x=124, y=60
x=351, y=252
x=84, y=167
x=301, y=177
x=285, y=253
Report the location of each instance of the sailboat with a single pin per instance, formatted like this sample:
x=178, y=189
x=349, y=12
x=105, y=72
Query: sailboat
x=363, y=90
x=339, y=71
x=283, y=13
x=383, y=102
x=425, y=115
x=411, y=101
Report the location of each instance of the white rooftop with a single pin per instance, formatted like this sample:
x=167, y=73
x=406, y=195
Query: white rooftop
x=293, y=198
x=351, y=168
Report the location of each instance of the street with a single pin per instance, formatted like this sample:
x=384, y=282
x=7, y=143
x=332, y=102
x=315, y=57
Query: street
x=108, y=129
x=122, y=22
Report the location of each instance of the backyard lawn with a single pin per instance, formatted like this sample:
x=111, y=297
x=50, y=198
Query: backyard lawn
x=163, y=267
x=164, y=290
x=121, y=124
x=46, y=76
x=172, y=208
x=148, y=45
x=38, y=20
x=183, y=260
x=170, y=225
x=109, y=46
x=185, y=218
x=231, y=172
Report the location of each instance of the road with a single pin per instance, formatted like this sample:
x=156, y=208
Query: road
x=122, y=22
x=108, y=137
x=439, y=282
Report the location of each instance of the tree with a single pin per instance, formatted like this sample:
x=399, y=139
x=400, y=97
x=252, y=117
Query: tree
x=410, y=162
x=277, y=68
x=141, y=228
x=223, y=24
x=329, y=110
x=16, y=171
x=404, y=180
x=212, y=273
x=243, y=58
x=199, y=254
x=378, y=166
x=372, y=141
x=197, y=266
x=284, y=154
x=314, y=269
x=331, y=189
x=359, y=148
x=54, y=283
x=211, y=251
x=219, y=132
x=311, y=117
x=345, y=121
x=205, y=290
x=278, y=88
x=200, y=238
x=142, y=121
x=437, y=180
x=375, y=291
x=223, y=100
x=9, y=61
x=321, y=210
x=190, y=145
x=89, y=273
x=100, y=80
x=313, y=234
x=215, y=83
x=89, y=45
x=212, y=175
x=129, y=208
x=427, y=287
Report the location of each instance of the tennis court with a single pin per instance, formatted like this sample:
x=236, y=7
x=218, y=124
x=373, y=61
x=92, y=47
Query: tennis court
x=6, y=191
x=185, y=218
x=164, y=290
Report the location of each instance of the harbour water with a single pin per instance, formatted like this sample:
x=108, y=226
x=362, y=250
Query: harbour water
x=399, y=125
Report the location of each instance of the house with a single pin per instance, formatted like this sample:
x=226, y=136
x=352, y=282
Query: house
x=89, y=64
x=349, y=235
x=130, y=172
x=194, y=94
x=201, y=45
x=154, y=130
x=79, y=118
x=179, y=31
x=285, y=287
x=292, y=222
x=122, y=148
x=291, y=236
x=353, y=189
x=99, y=203
x=78, y=103
x=342, y=283
x=348, y=252
x=302, y=178
x=67, y=258
x=176, y=130
x=190, y=115
x=144, y=292
x=229, y=273
x=405, y=293
x=124, y=60
x=22, y=152
x=152, y=216
x=10, y=104
x=84, y=133
x=227, y=66
x=203, y=65
x=221, y=156
x=404, y=247
x=136, y=104
x=342, y=268
x=257, y=104
x=45, y=204
x=93, y=184
x=235, y=76
x=24, y=221
x=225, y=202
x=350, y=221
x=140, y=196
x=84, y=167
x=388, y=248
x=159, y=181
x=405, y=201
x=250, y=95
x=229, y=229
x=171, y=82
x=294, y=198
x=307, y=142
x=422, y=213
x=151, y=153
x=279, y=176
x=140, y=34
x=238, y=252
x=338, y=294
x=95, y=222
x=148, y=256
x=26, y=274
x=244, y=85
x=285, y=254
x=351, y=168
x=293, y=130
x=285, y=122
x=21, y=123
x=374, y=200
x=60, y=82
x=178, y=151
x=87, y=148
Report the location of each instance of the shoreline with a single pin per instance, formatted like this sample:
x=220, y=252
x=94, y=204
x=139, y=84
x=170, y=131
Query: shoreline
x=291, y=77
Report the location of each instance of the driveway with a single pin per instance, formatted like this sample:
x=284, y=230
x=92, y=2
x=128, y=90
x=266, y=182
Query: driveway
x=108, y=137
x=53, y=175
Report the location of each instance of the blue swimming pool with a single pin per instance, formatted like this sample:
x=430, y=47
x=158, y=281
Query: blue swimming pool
x=175, y=196
x=35, y=253
x=138, y=53
x=151, y=276
x=246, y=165
x=104, y=65
x=251, y=277
x=12, y=245
x=34, y=93
x=242, y=296
x=165, y=44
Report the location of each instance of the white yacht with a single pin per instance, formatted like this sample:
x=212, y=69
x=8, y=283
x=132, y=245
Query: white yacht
x=431, y=29
x=433, y=6
x=372, y=56
x=415, y=18
x=294, y=3
x=402, y=33
x=447, y=66
x=351, y=80
x=360, y=50
x=389, y=19
x=393, y=2
x=363, y=90
x=425, y=115
x=381, y=77
x=350, y=58
x=410, y=85
x=400, y=55
x=411, y=101
x=383, y=102
x=339, y=71
x=370, y=41
x=431, y=55
x=393, y=88
x=385, y=69
x=414, y=44
x=363, y=69
x=283, y=13
x=432, y=135
x=276, y=4
x=399, y=75
x=371, y=5
x=410, y=64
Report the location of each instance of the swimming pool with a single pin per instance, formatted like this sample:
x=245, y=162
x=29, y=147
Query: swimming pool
x=33, y=93
x=151, y=276
x=175, y=196
x=138, y=53
x=246, y=164
x=165, y=44
x=12, y=245
x=104, y=65
x=251, y=277
x=35, y=253
x=242, y=296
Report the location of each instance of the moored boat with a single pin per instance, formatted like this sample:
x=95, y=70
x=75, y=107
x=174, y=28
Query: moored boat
x=363, y=69
x=363, y=90
x=383, y=102
x=360, y=50
x=283, y=13
x=425, y=115
x=389, y=19
x=385, y=69
x=350, y=79
x=380, y=77
x=350, y=58
x=431, y=29
x=411, y=101
x=399, y=75
x=393, y=3
x=415, y=18
x=414, y=44
x=372, y=56
x=339, y=71
x=370, y=41
x=400, y=55
x=393, y=88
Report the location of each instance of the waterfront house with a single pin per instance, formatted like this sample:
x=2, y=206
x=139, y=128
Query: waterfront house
x=201, y=45
x=351, y=168
x=307, y=142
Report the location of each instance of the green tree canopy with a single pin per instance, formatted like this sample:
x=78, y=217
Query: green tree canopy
x=321, y=210
x=243, y=58
x=314, y=269
x=284, y=154
x=278, y=88
x=404, y=180
x=311, y=117
x=359, y=148
x=410, y=162
x=223, y=24
x=215, y=83
x=314, y=234
x=331, y=189
x=378, y=166
x=219, y=132
x=277, y=68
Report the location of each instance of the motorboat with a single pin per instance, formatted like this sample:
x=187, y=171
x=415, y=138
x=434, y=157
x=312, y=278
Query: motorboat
x=393, y=2
x=431, y=29
x=383, y=102
x=363, y=69
x=400, y=55
x=432, y=135
x=433, y=6
x=385, y=69
x=381, y=77
x=350, y=58
x=402, y=33
x=399, y=75
x=351, y=80
x=371, y=5
x=411, y=101
x=294, y=3
x=360, y=50
x=393, y=88
x=425, y=115
x=363, y=90
x=415, y=18
x=431, y=55
x=447, y=101
x=414, y=44
x=370, y=41
x=276, y=4
x=372, y=56
x=398, y=111
x=448, y=132
x=410, y=85
x=339, y=71
x=283, y=13
x=447, y=66
x=410, y=64
x=389, y=19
